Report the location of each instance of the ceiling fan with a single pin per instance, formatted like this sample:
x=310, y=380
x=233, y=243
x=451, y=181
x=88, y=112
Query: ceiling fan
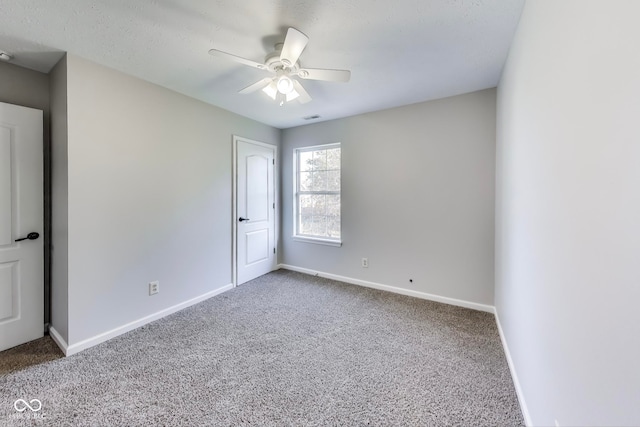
x=284, y=66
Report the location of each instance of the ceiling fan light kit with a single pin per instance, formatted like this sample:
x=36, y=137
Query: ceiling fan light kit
x=283, y=63
x=285, y=85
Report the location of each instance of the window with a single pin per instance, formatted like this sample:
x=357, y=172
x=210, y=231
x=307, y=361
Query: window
x=317, y=194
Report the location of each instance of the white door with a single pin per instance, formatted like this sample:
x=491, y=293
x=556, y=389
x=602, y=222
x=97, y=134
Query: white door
x=21, y=215
x=255, y=209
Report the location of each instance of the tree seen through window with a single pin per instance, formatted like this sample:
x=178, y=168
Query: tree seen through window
x=318, y=192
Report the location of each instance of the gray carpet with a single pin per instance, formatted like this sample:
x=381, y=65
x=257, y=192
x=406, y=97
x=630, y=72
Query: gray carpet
x=283, y=350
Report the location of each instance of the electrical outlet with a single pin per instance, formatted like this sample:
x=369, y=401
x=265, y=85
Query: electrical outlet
x=154, y=287
x=365, y=262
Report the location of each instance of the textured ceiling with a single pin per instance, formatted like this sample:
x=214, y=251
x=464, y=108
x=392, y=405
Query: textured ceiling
x=399, y=52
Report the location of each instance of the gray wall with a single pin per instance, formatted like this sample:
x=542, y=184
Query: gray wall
x=149, y=197
x=60, y=200
x=568, y=210
x=417, y=197
x=30, y=88
x=25, y=87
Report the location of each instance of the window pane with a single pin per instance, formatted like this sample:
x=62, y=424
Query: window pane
x=320, y=160
x=333, y=159
x=319, y=181
x=333, y=205
x=305, y=160
x=319, y=226
x=305, y=205
x=333, y=226
x=304, y=226
x=305, y=181
x=319, y=205
x=333, y=180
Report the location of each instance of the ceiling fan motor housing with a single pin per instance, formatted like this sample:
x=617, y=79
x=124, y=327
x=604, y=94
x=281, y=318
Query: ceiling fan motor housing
x=273, y=63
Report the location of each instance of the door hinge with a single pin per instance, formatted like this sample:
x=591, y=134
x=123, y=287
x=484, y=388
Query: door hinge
x=273, y=161
x=274, y=250
x=274, y=206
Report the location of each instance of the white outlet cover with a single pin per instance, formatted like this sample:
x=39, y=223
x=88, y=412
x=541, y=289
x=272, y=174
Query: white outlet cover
x=154, y=287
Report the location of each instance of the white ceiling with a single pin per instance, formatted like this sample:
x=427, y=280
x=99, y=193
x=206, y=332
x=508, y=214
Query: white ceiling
x=399, y=52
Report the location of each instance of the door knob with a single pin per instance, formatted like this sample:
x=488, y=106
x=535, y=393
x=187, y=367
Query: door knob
x=30, y=236
x=243, y=219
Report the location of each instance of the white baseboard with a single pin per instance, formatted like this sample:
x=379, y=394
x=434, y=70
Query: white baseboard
x=514, y=375
x=69, y=350
x=57, y=338
x=395, y=290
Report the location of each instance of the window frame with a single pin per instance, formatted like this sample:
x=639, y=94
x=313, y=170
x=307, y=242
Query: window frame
x=297, y=236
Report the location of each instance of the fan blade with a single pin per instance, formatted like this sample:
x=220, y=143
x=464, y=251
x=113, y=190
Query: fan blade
x=294, y=44
x=257, y=86
x=271, y=89
x=292, y=95
x=326, y=75
x=304, y=96
x=250, y=63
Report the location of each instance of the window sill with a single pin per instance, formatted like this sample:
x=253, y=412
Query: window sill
x=317, y=241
